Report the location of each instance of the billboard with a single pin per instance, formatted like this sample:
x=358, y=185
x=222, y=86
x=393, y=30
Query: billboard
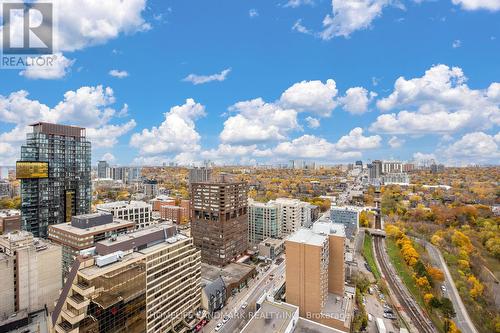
x=30, y=170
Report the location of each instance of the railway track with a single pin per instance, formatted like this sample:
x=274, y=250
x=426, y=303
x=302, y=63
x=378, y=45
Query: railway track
x=421, y=322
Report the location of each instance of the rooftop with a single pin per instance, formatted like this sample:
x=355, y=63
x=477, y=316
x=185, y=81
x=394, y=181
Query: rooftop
x=116, y=224
x=231, y=273
x=120, y=204
x=329, y=228
x=337, y=306
x=309, y=326
x=307, y=236
x=9, y=212
x=272, y=317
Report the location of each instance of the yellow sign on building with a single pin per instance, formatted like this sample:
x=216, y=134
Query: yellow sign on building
x=27, y=170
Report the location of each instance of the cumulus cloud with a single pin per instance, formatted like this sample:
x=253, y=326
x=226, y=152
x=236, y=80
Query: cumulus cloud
x=176, y=134
x=356, y=141
x=120, y=74
x=474, y=147
x=396, y=142
x=310, y=146
x=422, y=157
x=258, y=121
x=312, y=122
x=108, y=157
x=58, y=68
x=357, y=100
x=89, y=107
x=438, y=102
x=456, y=43
x=311, y=96
x=349, y=16
x=201, y=79
x=491, y=5
x=299, y=27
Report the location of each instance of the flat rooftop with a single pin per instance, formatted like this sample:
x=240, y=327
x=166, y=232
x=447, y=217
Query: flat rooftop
x=231, y=273
x=309, y=326
x=272, y=317
x=329, y=228
x=118, y=204
x=116, y=224
x=272, y=241
x=9, y=212
x=337, y=306
x=307, y=236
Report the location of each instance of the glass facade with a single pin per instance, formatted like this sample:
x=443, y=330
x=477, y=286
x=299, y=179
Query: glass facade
x=67, y=190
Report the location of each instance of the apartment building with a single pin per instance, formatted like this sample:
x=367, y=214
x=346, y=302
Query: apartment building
x=83, y=232
x=219, y=223
x=28, y=267
x=55, y=176
x=348, y=216
x=315, y=275
x=137, y=211
x=175, y=214
x=150, y=188
x=145, y=281
x=293, y=214
x=199, y=175
x=264, y=221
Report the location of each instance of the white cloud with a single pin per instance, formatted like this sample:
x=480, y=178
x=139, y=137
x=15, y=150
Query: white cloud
x=421, y=157
x=107, y=136
x=89, y=107
x=311, y=96
x=357, y=100
x=492, y=5
x=312, y=122
x=120, y=74
x=299, y=27
x=298, y=3
x=356, y=141
x=108, y=157
x=456, y=43
x=177, y=133
x=200, y=79
x=351, y=15
x=310, y=146
x=253, y=13
x=474, y=147
x=396, y=142
x=258, y=121
x=443, y=103
x=57, y=66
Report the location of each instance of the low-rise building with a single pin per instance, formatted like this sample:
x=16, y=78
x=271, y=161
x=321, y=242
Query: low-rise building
x=83, y=232
x=28, y=267
x=161, y=200
x=271, y=248
x=10, y=220
x=145, y=281
x=175, y=214
x=137, y=211
x=213, y=295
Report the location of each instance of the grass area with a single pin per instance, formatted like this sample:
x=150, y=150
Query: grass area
x=406, y=275
x=369, y=257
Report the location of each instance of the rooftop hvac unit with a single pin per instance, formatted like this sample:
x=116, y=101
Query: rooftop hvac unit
x=102, y=261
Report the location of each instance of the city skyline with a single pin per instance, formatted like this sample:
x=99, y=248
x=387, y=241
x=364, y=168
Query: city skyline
x=277, y=85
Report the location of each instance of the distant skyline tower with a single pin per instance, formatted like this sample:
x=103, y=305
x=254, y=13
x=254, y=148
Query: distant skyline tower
x=54, y=170
x=102, y=169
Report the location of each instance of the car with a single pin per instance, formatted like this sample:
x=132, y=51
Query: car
x=218, y=327
x=443, y=288
x=388, y=311
x=244, y=305
x=370, y=317
x=225, y=319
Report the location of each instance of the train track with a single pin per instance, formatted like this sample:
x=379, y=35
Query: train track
x=421, y=322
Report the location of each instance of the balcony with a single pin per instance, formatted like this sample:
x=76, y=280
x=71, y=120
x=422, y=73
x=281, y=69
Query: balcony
x=66, y=327
x=78, y=301
x=83, y=288
x=73, y=317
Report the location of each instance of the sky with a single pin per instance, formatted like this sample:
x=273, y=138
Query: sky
x=264, y=82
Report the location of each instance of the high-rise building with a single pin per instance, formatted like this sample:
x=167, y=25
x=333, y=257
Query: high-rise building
x=29, y=268
x=293, y=214
x=199, y=175
x=55, y=176
x=219, y=223
x=84, y=232
x=137, y=211
x=150, y=188
x=264, y=221
x=315, y=275
x=103, y=170
x=376, y=169
x=395, y=178
x=392, y=167
x=437, y=168
x=144, y=281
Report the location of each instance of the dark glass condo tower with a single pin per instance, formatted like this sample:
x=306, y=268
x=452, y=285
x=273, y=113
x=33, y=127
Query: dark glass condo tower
x=54, y=170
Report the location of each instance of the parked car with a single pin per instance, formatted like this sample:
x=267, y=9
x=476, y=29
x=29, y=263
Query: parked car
x=244, y=305
x=225, y=319
x=218, y=327
x=443, y=288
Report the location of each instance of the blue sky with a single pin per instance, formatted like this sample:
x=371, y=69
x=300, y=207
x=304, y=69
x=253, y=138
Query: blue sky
x=268, y=81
